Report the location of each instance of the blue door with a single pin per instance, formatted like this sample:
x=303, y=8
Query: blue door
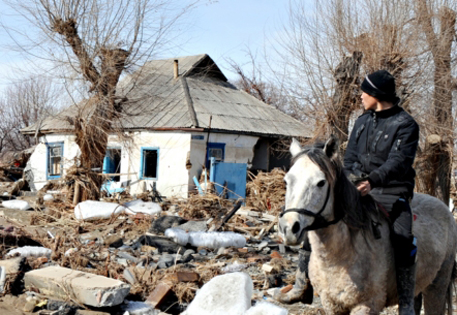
x=232, y=175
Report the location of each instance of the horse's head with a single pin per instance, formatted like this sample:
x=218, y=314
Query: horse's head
x=309, y=194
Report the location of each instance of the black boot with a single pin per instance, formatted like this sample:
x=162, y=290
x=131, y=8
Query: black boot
x=405, y=249
x=405, y=265
x=406, y=283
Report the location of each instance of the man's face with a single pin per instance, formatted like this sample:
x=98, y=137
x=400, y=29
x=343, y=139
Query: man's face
x=368, y=101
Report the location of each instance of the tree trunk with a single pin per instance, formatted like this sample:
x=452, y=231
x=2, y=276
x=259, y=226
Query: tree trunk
x=92, y=130
x=344, y=100
x=438, y=150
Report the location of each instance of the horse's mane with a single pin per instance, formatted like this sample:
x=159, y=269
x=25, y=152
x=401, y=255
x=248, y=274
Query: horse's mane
x=356, y=211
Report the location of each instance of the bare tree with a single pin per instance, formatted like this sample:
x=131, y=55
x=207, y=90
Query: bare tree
x=327, y=47
x=345, y=97
x=438, y=22
x=252, y=81
x=22, y=104
x=413, y=40
x=99, y=40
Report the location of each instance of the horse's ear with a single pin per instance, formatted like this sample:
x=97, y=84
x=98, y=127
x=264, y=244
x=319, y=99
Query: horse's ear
x=331, y=147
x=295, y=147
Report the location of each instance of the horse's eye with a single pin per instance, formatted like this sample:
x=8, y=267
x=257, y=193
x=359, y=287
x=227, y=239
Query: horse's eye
x=321, y=183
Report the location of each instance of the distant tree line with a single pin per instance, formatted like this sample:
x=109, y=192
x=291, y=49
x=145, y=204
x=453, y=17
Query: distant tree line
x=23, y=103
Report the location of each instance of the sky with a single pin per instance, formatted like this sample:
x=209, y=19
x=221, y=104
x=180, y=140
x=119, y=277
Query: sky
x=223, y=29
x=227, y=29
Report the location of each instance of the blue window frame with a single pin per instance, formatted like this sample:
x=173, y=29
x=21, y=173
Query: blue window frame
x=54, y=160
x=149, y=168
x=112, y=163
x=215, y=150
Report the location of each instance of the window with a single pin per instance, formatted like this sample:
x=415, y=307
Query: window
x=217, y=153
x=216, y=150
x=112, y=163
x=54, y=160
x=149, y=163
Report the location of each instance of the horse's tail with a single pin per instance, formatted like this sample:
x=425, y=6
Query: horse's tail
x=450, y=289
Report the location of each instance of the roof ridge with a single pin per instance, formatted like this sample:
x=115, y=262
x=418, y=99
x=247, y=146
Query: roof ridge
x=190, y=103
x=204, y=56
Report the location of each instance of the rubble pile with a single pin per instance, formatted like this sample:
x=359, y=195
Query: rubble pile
x=133, y=256
x=267, y=191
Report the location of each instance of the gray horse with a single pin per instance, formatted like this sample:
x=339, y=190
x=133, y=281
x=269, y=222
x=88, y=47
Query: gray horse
x=352, y=270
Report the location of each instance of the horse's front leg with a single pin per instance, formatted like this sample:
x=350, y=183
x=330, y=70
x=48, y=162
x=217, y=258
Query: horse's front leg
x=302, y=290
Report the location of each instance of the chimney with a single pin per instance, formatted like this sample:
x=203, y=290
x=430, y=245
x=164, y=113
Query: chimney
x=176, y=69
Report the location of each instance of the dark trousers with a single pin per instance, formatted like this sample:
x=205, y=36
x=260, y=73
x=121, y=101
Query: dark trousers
x=401, y=218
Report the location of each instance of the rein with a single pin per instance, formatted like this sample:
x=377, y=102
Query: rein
x=319, y=221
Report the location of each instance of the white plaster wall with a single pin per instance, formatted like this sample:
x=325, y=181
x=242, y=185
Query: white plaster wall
x=173, y=148
x=238, y=149
x=173, y=176
x=39, y=156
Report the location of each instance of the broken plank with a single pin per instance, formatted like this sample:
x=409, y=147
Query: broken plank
x=185, y=276
x=158, y=295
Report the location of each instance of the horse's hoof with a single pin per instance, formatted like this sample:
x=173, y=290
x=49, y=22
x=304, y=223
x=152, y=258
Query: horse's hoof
x=293, y=296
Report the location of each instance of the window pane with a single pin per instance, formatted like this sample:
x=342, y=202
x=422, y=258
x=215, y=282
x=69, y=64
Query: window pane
x=112, y=163
x=54, y=160
x=216, y=153
x=55, y=165
x=55, y=151
x=150, y=163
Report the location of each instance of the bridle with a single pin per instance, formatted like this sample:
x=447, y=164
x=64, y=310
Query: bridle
x=319, y=221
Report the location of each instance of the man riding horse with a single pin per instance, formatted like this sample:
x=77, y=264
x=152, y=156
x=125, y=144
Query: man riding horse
x=378, y=160
x=379, y=157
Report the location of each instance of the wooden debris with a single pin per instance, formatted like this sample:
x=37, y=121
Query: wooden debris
x=275, y=254
x=183, y=276
x=158, y=295
x=287, y=288
x=256, y=258
x=230, y=214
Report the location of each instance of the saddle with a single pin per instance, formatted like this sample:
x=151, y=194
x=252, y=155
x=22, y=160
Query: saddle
x=390, y=217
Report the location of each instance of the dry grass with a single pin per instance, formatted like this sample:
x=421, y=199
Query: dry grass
x=202, y=207
x=279, y=264
x=266, y=191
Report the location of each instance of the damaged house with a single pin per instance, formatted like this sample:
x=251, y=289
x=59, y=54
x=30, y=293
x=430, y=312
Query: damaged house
x=180, y=113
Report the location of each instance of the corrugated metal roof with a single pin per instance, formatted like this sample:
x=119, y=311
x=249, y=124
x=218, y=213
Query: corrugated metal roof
x=157, y=100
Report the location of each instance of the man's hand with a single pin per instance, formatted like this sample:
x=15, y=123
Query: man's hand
x=364, y=187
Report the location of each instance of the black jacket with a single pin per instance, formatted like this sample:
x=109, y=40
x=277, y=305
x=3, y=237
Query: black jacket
x=383, y=145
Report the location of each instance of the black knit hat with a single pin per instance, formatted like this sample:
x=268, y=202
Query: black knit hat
x=381, y=85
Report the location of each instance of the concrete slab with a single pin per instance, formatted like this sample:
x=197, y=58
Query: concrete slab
x=9, y=270
x=11, y=265
x=86, y=288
